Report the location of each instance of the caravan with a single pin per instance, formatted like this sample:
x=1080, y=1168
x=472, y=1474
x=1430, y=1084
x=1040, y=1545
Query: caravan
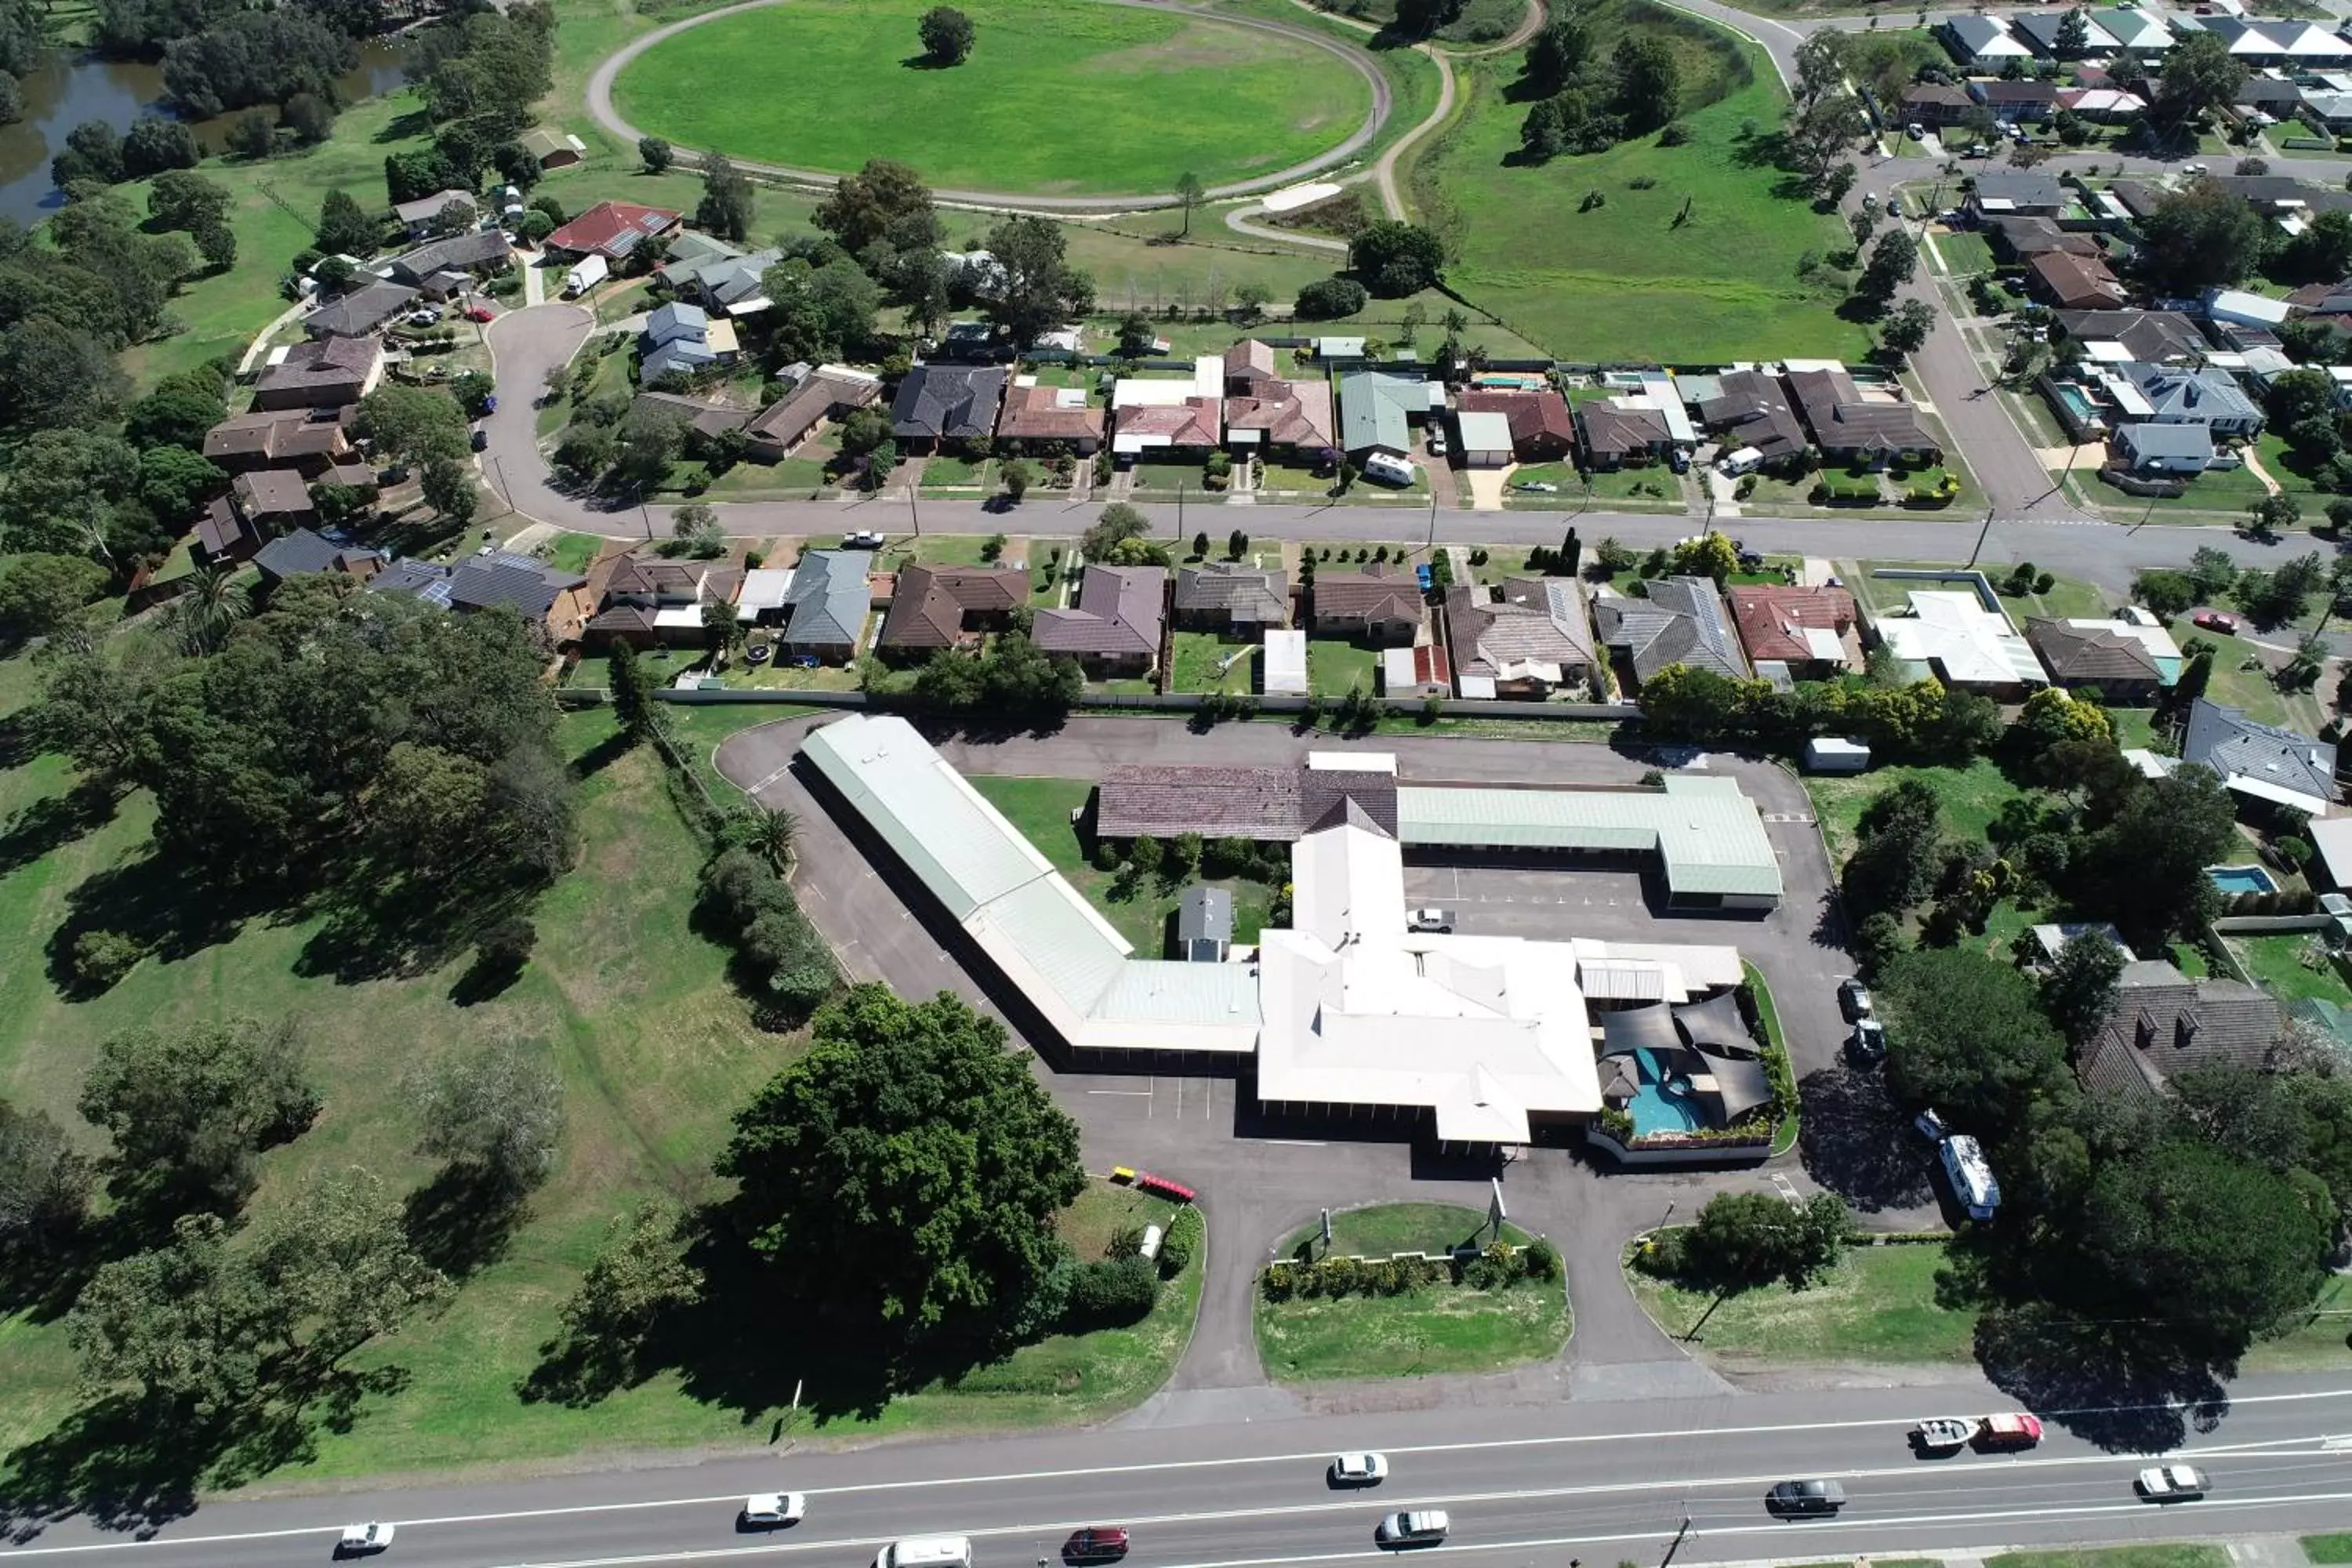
x=1972, y=1179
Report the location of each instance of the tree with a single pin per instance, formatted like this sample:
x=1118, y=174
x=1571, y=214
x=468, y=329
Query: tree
x=44, y=1183
x=1649, y=85
x=1571, y=555
x=257, y=56
x=1905, y=331
x=41, y=594
x=695, y=525
x=1968, y=1036
x=310, y=116
x=918, y=1154
x=2079, y=990
x=1893, y=262
x=1190, y=193
x=53, y=376
x=2203, y=235
x=252, y=135
x=654, y=154
x=1838, y=181
x=1393, y=259
x=496, y=1114
x=179, y=199
x=188, y=1109
x=216, y=243
x=2052, y=717
x=1900, y=850
x=1820, y=132
x=1746, y=1239
x=1709, y=554
x=202, y=618
x=413, y=423
x=1558, y=52
x=1040, y=289
x=1015, y=474
x=1328, y=299
x=2145, y=869
x=472, y=390
x=1119, y=522
x=2164, y=591
x=1135, y=335
x=93, y=152
x=2266, y=515
x=2073, y=37
x=2201, y=76
x=639, y=1279
x=649, y=441
x=447, y=485
x=344, y=229
x=720, y=629
x=155, y=145
x=727, y=202
x=947, y=33
x=883, y=201
x=633, y=692
x=1824, y=62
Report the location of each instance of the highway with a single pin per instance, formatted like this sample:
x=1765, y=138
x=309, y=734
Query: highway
x=1604, y=1482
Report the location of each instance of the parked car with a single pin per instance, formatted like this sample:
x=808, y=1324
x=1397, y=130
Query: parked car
x=364, y=1539
x=1537, y=487
x=481, y=439
x=2171, y=1483
x=424, y=318
x=2216, y=621
x=1805, y=1498
x=1917, y=131
x=489, y=402
x=1867, y=1043
x=480, y=314
x=1931, y=1126
x=1419, y=1526
x=1437, y=443
x=1096, y=1543
x=1853, y=999
x=863, y=538
x=1359, y=1469
x=771, y=1510
x=1678, y=461
x=1429, y=920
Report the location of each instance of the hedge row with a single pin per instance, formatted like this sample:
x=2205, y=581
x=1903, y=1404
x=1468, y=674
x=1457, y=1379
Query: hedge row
x=1500, y=1265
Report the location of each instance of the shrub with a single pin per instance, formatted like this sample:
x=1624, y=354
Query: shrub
x=1107, y=1295
x=1127, y=1241
x=100, y=958
x=1328, y=299
x=1185, y=1233
x=1542, y=1260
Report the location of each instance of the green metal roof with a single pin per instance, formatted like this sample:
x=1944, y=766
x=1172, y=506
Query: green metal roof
x=1707, y=833
x=1374, y=408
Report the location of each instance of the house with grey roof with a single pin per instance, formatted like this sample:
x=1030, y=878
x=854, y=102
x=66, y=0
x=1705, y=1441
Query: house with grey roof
x=1204, y=924
x=360, y=313
x=475, y=253
x=2039, y=32
x=1116, y=627
x=2150, y=449
x=417, y=216
x=1983, y=43
x=325, y=373
x=1681, y=621
x=826, y=606
x=547, y=597
x=1613, y=437
x=1751, y=409
x=1229, y=598
x=306, y=551
x=2261, y=761
x=938, y=404
x=1378, y=411
x=2022, y=194
x=1531, y=637
x=2162, y=1023
x=1849, y=428
x=2210, y=397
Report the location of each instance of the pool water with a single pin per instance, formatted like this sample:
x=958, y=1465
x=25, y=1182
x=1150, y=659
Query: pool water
x=2242, y=878
x=1660, y=1108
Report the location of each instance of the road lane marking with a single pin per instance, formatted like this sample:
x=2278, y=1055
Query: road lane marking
x=1319, y=1456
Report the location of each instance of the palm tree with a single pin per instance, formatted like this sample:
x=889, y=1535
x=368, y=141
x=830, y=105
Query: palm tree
x=775, y=835
x=204, y=615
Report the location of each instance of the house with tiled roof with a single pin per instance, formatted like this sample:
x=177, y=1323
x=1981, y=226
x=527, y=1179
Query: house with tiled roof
x=2039, y=30
x=2071, y=282
x=1528, y=639
x=612, y=230
x=306, y=551
x=2017, y=239
x=1036, y=416
x=949, y=606
x=2261, y=761
x=362, y=313
x=2024, y=195
x=2116, y=667
x=1115, y=628
x=1849, y=428
x=1813, y=631
x=1191, y=426
x=2162, y=1023
x=1232, y=599
x=1285, y=417
x=1380, y=605
x=261, y=504
x=1542, y=429
x=826, y=606
x=828, y=392
x=548, y=597
x=1751, y=408
x=2149, y=337
x=1681, y=621
x=476, y=253
x=703, y=417
x=1612, y=436
x=939, y=404
x=325, y=373
x=646, y=600
x=1250, y=365
x=417, y=216
x=1936, y=104
x=278, y=439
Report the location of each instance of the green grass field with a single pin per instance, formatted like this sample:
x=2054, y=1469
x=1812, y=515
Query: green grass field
x=1057, y=96
x=1433, y=1329
x=2181, y=1554
x=2329, y=1548
x=1700, y=265
x=1878, y=1306
x=1971, y=796
x=2276, y=964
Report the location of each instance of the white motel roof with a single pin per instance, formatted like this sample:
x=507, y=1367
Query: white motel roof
x=1708, y=834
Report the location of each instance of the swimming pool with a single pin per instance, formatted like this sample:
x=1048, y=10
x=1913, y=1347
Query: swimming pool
x=2077, y=403
x=1663, y=1103
x=2242, y=878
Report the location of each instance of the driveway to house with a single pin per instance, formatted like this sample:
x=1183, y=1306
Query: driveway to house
x=599, y=105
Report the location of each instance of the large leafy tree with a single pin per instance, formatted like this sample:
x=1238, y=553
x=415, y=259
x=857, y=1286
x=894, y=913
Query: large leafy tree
x=906, y=1172
x=2203, y=235
x=1040, y=290
x=1746, y=1240
x=1395, y=258
x=496, y=1114
x=44, y=1183
x=189, y=1108
x=2145, y=869
x=882, y=201
x=1967, y=1037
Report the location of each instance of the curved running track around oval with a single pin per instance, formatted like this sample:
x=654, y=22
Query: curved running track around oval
x=599, y=105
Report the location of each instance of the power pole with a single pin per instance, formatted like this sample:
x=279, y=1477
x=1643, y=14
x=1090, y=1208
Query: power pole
x=1981, y=536
x=1432, y=542
x=913, y=511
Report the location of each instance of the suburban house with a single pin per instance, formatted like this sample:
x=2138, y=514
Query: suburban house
x=1850, y=430
x=1959, y=640
x=1278, y=416
x=2095, y=658
x=1232, y=599
x=1380, y=605
x=2072, y=282
x=1035, y=417
x=1420, y=670
x=1983, y=43
x=280, y=439
x=2021, y=239
x=2274, y=42
x=2161, y=1022
x=1542, y=430
x=1116, y=625
x=2103, y=105
x=949, y=606
x=360, y=313
x=723, y=278
x=2025, y=194
x=547, y=597
x=1378, y=412
x=1248, y=366
x=1189, y=425
x=261, y=504
x=2140, y=32
x=2210, y=398
x=304, y=551
x=1937, y=105
x=648, y=601
x=1529, y=638
x=680, y=339
x=325, y=373
x=612, y=230
x=1750, y=409
x=826, y=603
x=552, y=149
x=938, y=404
x=416, y=217
x=1612, y=436
x=2025, y=102
x=2039, y=32
x=443, y=268
x=1681, y=621
x=1811, y=631
x=702, y=417
x=828, y=392
x=2146, y=449
x=2150, y=337
x=2261, y=761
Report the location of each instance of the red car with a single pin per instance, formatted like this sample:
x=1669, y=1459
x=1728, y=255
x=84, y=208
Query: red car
x=2015, y=1429
x=479, y=313
x=1096, y=1543
x=2215, y=621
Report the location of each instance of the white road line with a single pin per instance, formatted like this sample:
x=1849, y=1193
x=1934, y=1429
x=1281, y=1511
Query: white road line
x=1134, y=1093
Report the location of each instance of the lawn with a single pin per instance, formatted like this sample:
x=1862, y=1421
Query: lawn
x=1972, y=797
x=2329, y=1548
x=1431, y=1328
x=1335, y=665
x=1197, y=661
x=2216, y=491
x=1964, y=253
x=2177, y=1554
x=573, y=552
x=1041, y=809
x=1135, y=98
x=1657, y=484
x=2253, y=690
x=1690, y=255
x=1878, y=1305
x=2276, y=964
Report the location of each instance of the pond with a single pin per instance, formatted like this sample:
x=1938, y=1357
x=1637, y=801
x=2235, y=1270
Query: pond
x=65, y=89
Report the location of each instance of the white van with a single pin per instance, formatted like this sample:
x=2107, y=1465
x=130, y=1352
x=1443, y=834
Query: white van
x=1388, y=469
x=1972, y=1179
x=927, y=1552
x=1742, y=461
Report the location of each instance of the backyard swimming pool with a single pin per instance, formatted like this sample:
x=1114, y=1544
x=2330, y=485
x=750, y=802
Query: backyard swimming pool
x=1663, y=1102
x=2242, y=878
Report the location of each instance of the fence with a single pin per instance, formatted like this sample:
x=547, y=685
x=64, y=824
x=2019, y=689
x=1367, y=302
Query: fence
x=1664, y=1149
x=1171, y=703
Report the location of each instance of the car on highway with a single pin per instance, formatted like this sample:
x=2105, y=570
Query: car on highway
x=1853, y=1000
x=2171, y=1483
x=1803, y=1497
x=1359, y=1469
x=1415, y=1527
x=1429, y=920
x=1096, y=1543
x=2216, y=621
x=771, y=1510
x=364, y=1539
x=2011, y=1429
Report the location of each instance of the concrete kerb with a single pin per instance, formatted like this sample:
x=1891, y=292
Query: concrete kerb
x=599, y=103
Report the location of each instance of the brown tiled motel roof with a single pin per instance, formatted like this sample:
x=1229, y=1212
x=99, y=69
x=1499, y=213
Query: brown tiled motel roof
x=1263, y=804
x=930, y=603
